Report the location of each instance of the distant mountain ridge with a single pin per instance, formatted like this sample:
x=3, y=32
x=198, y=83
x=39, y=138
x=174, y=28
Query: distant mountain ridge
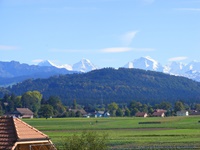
x=13, y=72
x=190, y=70
x=84, y=65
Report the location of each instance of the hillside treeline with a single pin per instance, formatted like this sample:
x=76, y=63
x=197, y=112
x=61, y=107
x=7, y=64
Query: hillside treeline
x=113, y=85
x=54, y=107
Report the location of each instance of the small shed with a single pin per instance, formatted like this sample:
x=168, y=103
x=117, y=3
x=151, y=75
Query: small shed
x=141, y=114
x=182, y=113
x=18, y=135
x=23, y=113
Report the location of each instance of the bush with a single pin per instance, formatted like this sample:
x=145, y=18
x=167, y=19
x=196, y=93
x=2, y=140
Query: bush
x=86, y=141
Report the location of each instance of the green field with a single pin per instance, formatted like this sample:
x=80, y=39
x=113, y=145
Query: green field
x=127, y=133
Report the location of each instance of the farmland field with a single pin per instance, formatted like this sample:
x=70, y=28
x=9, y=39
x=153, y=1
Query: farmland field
x=128, y=132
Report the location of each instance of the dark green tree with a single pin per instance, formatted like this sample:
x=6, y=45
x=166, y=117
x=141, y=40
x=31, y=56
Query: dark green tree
x=164, y=105
x=127, y=112
x=197, y=107
x=46, y=111
x=32, y=100
x=178, y=106
x=134, y=111
x=112, y=108
x=74, y=106
x=58, y=107
x=119, y=112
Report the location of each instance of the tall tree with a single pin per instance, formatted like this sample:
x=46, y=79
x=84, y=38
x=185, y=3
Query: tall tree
x=32, y=100
x=127, y=112
x=74, y=104
x=46, y=111
x=178, y=106
x=112, y=108
x=119, y=112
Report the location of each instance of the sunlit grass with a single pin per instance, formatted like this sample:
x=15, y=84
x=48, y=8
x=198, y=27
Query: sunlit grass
x=177, y=131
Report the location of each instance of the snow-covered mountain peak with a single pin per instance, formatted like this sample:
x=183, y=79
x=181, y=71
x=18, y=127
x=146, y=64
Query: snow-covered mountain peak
x=175, y=68
x=49, y=63
x=194, y=65
x=146, y=63
x=84, y=66
x=46, y=63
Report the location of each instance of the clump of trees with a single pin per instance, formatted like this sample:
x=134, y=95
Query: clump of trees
x=35, y=102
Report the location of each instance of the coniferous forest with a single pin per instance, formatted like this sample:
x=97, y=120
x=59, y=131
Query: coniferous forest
x=109, y=85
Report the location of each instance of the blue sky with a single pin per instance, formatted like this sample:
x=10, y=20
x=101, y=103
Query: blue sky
x=110, y=33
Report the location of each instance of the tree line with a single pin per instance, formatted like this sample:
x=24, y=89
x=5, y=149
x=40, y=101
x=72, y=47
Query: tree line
x=54, y=107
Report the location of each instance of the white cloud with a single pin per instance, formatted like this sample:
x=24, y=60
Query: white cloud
x=177, y=58
x=128, y=37
x=7, y=47
x=116, y=50
x=188, y=9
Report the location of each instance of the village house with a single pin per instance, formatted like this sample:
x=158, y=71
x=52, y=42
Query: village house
x=158, y=114
x=194, y=113
x=101, y=114
x=18, y=135
x=160, y=110
x=23, y=113
x=82, y=111
x=141, y=114
x=182, y=113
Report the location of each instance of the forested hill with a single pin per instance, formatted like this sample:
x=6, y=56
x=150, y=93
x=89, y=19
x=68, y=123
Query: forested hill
x=114, y=85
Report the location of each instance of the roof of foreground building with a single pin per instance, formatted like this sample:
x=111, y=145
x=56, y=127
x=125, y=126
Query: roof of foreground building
x=16, y=134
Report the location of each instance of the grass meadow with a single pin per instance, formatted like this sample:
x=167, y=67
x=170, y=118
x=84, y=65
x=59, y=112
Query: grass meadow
x=127, y=132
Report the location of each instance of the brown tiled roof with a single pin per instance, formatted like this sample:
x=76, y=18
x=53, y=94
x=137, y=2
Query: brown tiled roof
x=140, y=114
x=158, y=113
x=14, y=130
x=160, y=110
x=7, y=133
x=24, y=111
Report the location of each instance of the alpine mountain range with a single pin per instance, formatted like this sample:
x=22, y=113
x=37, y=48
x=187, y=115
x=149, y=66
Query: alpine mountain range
x=13, y=72
x=190, y=70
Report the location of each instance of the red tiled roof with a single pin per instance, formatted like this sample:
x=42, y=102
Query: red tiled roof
x=23, y=128
x=14, y=130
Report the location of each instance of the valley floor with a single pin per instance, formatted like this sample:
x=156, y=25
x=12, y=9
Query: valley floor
x=128, y=132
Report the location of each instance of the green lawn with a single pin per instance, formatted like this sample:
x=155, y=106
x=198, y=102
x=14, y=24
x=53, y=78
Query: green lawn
x=126, y=132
